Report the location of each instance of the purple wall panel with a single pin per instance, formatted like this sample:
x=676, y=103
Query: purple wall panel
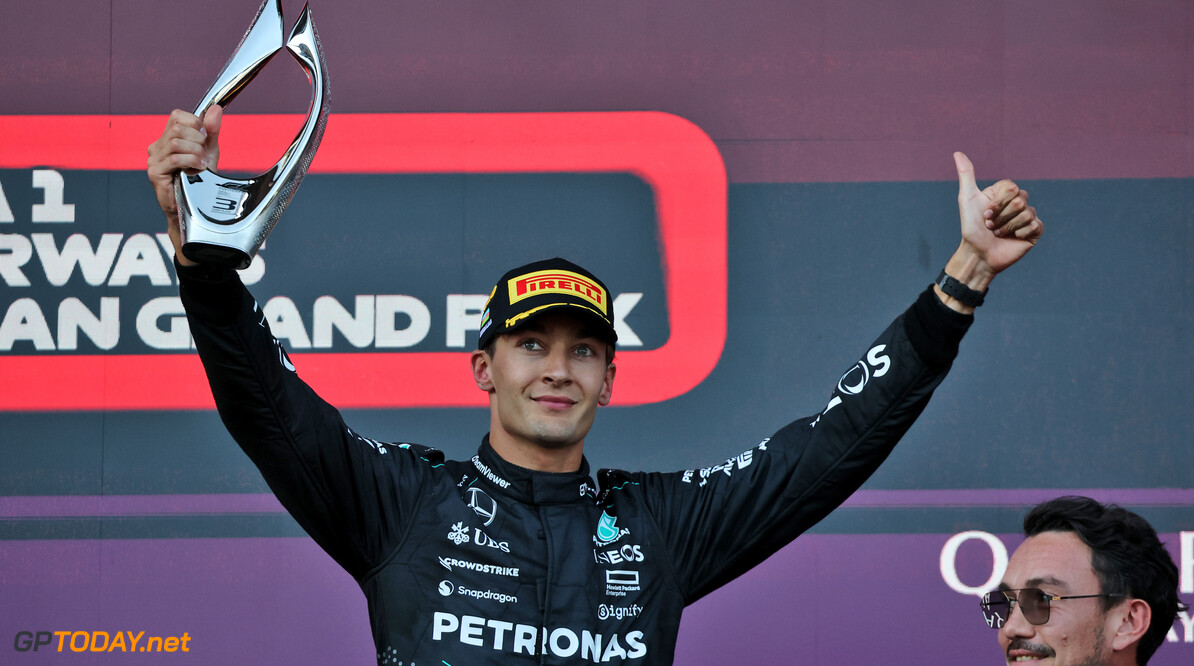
x=826, y=599
x=249, y=601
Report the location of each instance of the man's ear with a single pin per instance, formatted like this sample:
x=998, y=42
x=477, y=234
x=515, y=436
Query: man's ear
x=1130, y=622
x=607, y=388
x=482, y=365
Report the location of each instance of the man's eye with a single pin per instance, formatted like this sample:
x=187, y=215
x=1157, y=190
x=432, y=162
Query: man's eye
x=585, y=351
x=530, y=345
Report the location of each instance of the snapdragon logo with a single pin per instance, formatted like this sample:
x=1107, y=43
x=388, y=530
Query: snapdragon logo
x=447, y=589
x=562, y=642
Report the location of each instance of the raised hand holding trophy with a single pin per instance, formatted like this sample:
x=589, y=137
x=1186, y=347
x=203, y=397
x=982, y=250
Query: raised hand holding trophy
x=225, y=220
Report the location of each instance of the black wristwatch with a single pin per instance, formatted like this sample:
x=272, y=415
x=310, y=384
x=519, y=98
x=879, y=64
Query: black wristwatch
x=959, y=290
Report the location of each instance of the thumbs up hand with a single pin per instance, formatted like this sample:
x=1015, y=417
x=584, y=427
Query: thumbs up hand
x=998, y=229
x=997, y=222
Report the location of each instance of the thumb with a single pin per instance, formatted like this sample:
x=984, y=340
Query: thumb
x=211, y=127
x=967, y=187
x=211, y=120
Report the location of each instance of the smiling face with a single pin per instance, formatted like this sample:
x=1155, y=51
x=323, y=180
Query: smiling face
x=545, y=381
x=1079, y=631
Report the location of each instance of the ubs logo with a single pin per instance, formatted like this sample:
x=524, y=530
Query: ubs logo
x=482, y=504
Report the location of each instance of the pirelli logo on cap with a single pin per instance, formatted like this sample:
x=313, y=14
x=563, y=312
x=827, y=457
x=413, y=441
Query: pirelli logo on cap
x=558, y=282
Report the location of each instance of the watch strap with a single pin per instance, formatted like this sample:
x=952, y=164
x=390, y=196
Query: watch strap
x=960, y=291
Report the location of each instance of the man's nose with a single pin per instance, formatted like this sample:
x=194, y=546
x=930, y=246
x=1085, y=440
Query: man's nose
x=556, y=368
x=1017, y=626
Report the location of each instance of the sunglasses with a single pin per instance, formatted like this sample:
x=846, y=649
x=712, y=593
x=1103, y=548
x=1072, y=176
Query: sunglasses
x=997, y=605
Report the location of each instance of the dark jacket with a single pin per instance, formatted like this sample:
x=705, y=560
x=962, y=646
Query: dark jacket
x=479, y=561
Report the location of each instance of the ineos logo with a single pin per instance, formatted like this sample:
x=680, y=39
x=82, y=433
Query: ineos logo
x=627, y=553
x=483, y=505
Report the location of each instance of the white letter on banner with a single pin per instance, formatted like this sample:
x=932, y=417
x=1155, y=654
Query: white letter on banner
x=73, y=317
x=356, y=327
x=15, y=251
x=949, y=553
x=623, y=304
x=388, y=308
x=140, y=256
x=5, y=210
x=93, y=263
x=464, y=315
x=176, y=335
x=53, y=210
x=285, y=322
x=1187, y=621
x=24, y=321
x=1187, y=539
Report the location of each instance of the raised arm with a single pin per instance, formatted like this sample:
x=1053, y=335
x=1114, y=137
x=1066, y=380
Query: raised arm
x=350, y=493
x=746, y=508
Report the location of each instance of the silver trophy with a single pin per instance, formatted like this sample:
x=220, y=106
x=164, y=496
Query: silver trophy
x=225, y=220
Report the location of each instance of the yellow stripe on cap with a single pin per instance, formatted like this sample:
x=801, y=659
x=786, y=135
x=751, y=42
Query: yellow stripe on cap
x=513, y=321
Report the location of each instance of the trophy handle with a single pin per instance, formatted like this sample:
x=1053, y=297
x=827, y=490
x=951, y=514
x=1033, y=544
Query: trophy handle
x=224, y=220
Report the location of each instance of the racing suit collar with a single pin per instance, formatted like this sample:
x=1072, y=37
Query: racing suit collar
x=531, y=486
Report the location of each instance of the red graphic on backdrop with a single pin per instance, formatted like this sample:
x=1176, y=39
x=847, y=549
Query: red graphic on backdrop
x=674, y=157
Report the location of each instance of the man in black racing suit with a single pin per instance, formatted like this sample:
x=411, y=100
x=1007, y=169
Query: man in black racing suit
x=517, y=556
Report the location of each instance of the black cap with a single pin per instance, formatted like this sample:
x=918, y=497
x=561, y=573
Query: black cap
x=530, y=290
